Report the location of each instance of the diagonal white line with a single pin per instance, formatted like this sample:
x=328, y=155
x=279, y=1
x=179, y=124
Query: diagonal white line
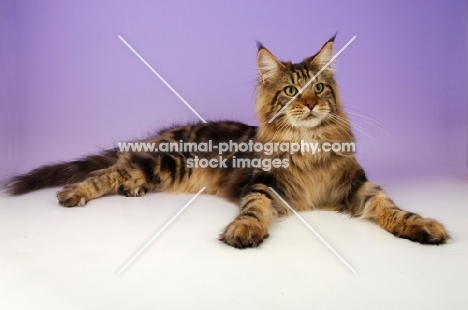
x=162, y=79
x=313, y=230
x=312, y=79
x=160, y=231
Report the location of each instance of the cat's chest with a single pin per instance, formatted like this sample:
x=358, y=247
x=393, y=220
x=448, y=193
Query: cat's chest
x=310, y=189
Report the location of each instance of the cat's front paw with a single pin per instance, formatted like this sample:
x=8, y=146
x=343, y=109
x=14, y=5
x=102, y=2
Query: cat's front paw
x=242, y=233
x=71, y=196
x=425, y=231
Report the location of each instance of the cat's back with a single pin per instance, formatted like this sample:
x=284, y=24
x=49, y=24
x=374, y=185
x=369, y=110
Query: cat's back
x=214, y=131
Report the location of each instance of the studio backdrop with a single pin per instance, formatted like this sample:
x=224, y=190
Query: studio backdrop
x=70, y=86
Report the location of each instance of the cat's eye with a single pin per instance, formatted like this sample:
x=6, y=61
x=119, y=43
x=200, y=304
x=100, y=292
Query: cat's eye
x=290, y=90
x=318, y=88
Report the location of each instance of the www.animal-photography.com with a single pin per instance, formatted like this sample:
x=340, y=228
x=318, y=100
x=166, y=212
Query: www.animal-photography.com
x=233, y=155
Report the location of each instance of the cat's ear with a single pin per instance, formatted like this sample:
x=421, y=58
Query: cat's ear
x=325, y=54
x=268, y=65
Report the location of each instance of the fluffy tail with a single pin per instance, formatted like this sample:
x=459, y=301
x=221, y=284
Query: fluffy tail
x=60, y=174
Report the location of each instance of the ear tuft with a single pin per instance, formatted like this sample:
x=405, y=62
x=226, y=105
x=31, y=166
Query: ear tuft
x=268, y=65
x=332, y=39
x=325, y=54
x=259, y=45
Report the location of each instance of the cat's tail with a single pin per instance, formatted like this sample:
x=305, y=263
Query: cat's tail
x=60, y=174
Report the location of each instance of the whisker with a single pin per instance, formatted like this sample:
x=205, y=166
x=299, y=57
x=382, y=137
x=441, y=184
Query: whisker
x=361, y=130
x=370, y=121
x=342, y=124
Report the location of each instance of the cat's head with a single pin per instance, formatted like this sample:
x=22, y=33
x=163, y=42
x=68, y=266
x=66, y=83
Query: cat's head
x=287, y=87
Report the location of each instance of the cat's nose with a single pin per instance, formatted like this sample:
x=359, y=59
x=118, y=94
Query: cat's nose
x=311, y=104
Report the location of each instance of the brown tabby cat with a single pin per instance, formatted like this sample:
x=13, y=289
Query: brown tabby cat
x=325, y=180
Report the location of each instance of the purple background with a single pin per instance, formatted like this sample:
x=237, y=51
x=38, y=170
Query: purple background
x=69, y=86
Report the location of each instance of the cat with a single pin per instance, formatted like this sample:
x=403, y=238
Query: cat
x=325, y=180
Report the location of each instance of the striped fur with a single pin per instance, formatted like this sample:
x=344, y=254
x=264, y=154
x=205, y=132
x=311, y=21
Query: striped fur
x=325, y=180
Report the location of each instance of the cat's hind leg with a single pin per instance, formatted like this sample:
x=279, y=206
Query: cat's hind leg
x=113, y=180
x=133, y=175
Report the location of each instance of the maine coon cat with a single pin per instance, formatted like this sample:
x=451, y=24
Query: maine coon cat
x=324, y=180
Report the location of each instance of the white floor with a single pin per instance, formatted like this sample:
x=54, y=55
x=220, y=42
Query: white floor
x=57, y=258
